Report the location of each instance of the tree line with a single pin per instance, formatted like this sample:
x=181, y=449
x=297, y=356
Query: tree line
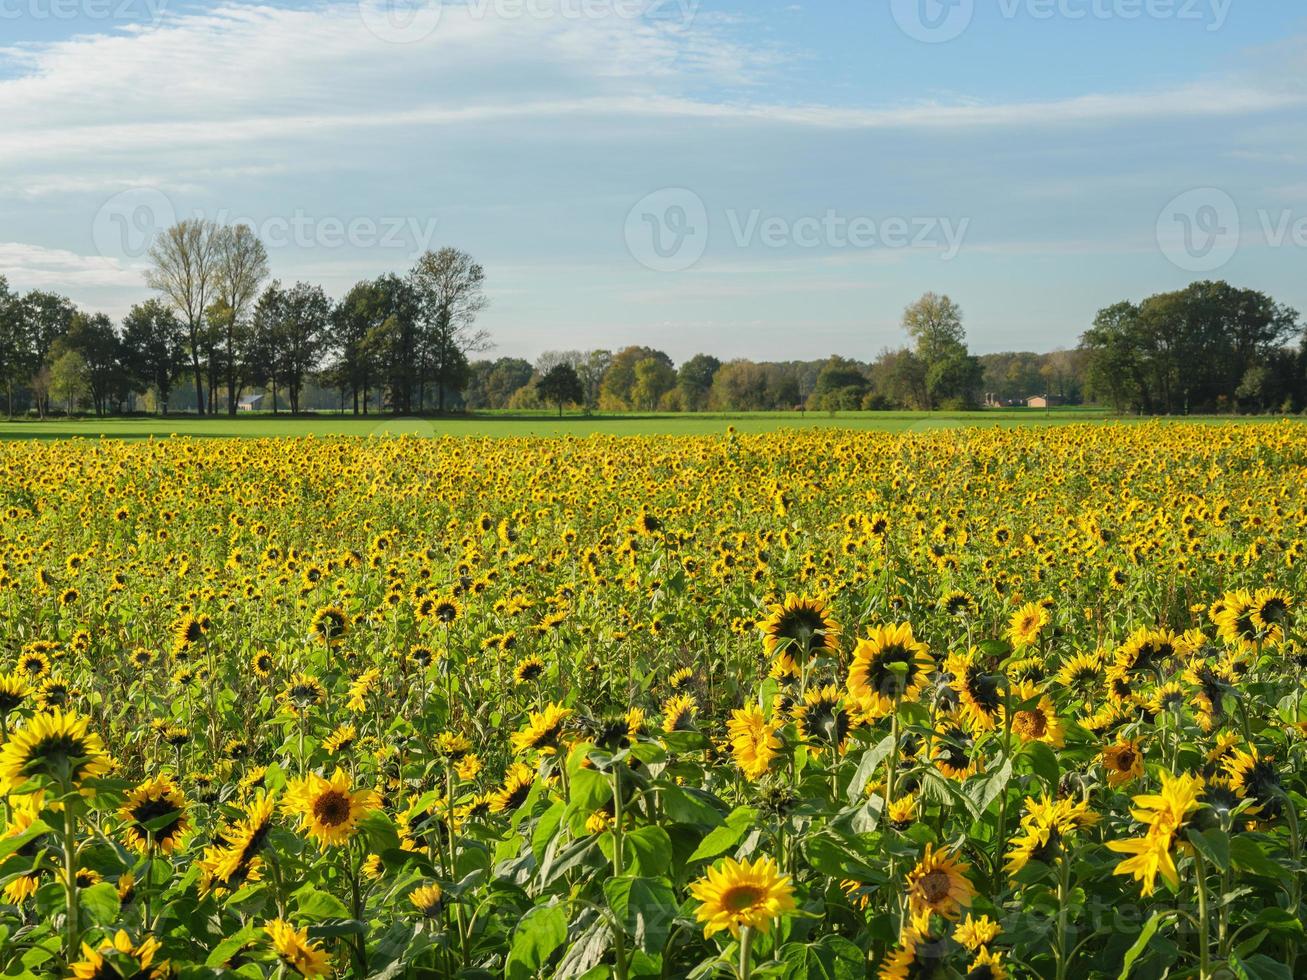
x=219, y=326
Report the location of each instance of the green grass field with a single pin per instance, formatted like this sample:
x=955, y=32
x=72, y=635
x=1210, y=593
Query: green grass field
x=543, y=424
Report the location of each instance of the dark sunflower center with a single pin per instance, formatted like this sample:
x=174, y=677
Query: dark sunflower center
x=935, y=885
x=741, y=897
x=331, y=808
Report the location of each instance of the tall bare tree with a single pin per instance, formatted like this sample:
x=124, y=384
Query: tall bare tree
x=185, y=271
x=450, y=290
x=242, y=266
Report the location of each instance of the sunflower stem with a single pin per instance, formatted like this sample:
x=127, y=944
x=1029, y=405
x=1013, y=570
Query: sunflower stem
x=746, y=948
x=619, y=860
x=1063, y=897
x=70, y=877
x=1204, y=950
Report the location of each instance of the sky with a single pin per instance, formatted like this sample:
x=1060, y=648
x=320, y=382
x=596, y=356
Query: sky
x=746, y=178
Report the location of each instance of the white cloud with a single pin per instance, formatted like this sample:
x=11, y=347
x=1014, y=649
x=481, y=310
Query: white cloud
x=36, y=267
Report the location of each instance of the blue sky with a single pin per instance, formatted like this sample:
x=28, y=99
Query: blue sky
x=768, y=179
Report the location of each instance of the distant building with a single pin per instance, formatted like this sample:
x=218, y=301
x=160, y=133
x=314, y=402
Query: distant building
x=1043, y=401
x=250, y=403
x=994, y=401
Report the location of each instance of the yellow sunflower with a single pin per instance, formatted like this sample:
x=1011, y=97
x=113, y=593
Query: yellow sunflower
x=939, y=884
x=308, y=959
x=888, y=666
x=120, y=957
x=1026, y=625
x=754, y=742
x=543, y=731
x=57, y=746
x=157, y=814
x=740, y=894
x=801, y=626
x=328, y=809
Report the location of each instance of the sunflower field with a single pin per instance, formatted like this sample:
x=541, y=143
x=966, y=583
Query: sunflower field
x=972, y=704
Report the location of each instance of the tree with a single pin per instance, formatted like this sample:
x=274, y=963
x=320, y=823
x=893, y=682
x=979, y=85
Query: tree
x=185, y=271
x=653, y=379
x=354, y=322
x=153, y=346
x=450, y=291
x=68, y=377
x=300, y=316
x=93, y=337
x=15, y=349
x=694, y=379
x=241, y=266
x=616, y=388
x=934, y=323
x=560, y=386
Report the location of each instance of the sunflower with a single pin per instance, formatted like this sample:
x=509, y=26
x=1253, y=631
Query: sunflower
x=978, y=692
x=262, y=663
x=543, y=731
x=939, y=884
x=902, y=812
x=156, y=814
x=1035, y=722
x=302, y=692
x=741, y=894
x=680, y=678
x=678, y=713
x=1254, y=778
x=986, y=965
x=328, y=810
x=1026, y=625
x=329, y=625
x=513, y=792
x=13, y=692
x=428, y=900
x=242, y=842
x=34, y=663
x=888, y=666
x=120, y=957
x=1166, y=814
x=975, y=934
x=445, y=611
x=528, y=669
x=294, y=949
x=341, y=739
x=802, y=626
x=1269, y=612
x=57, y=746
x=754, y=742
x=1124, y=763
x=957, y=603
x=1081, y=671
x=1045, y=824
x=824, y=718
x=186, y=632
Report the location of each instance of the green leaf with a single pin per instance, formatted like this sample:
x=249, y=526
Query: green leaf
x=1043, y=763
x=317, y=905
x=1213, y=844
x=833, y=958
x=645, y=908
x=100, y=902
x=1247, y=855
x=380, y=832
x=690, y=806
x=872, y=760
x=726, y=836
x=545, y=829
x=1259, y=966
x=649, y=850
x=541, y=931
x=1140, y=944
